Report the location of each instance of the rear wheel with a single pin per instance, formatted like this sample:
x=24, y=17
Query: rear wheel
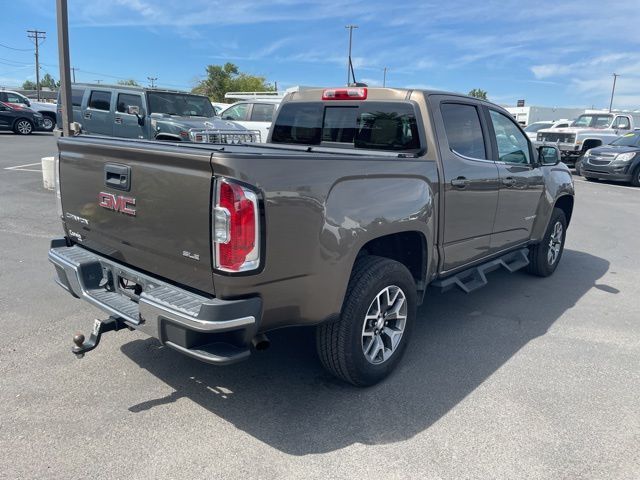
x=368, y=341
x=545, y=256
x=635, y=178
x=23, y=127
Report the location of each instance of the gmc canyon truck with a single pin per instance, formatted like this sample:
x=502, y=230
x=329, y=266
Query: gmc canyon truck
x=590, y=130
x=361, y=198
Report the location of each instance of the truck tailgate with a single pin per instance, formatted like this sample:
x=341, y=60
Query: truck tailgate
x=142, y=204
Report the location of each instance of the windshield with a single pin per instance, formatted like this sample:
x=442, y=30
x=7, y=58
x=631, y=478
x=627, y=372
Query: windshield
x=534, y=127
x=181, y=104
x=593, y=121
x=628, y=140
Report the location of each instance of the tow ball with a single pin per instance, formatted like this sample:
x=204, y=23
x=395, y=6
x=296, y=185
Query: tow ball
x=99, y=327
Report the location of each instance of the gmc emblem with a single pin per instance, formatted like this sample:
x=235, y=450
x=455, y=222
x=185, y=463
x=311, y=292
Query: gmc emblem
x=118, y=203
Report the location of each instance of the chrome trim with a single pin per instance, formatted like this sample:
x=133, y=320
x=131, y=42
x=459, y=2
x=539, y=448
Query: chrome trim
x=472, y=158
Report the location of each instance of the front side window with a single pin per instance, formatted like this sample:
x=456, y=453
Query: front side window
x=13, y=98
x=262, y=112
x=100, y=100
x=622, y=123
x=237, y=112
x=125, y=100
x=463, y=130
x=512, y=143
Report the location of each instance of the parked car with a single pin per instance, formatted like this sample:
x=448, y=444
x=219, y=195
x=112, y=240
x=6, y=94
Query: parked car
x=532, y=129
x=588, y=131
x=144, y=113
x=619, y=161
x=47, y=110
x=361, y=198
x=20, y=120
x=253, y=114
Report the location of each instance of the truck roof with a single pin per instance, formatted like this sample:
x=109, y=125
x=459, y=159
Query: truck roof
x=132, y=87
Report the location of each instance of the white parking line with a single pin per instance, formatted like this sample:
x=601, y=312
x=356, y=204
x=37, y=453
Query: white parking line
x=628, y=189
x=21, y=168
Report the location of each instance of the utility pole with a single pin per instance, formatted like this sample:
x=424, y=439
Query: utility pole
x=64, y=62
x=384, y=77
x=152, y=81
x=36, y=36
x=73, y=74
x=613, y=90
x=349, y=63
x=98, y=81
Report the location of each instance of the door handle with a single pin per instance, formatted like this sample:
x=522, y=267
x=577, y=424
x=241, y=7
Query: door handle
x=87, y=115
x=117, y=176
x=118, y=120
x=460, y=182
x=509, y=181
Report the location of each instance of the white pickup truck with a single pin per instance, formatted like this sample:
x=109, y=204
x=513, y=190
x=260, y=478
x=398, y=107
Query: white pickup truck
x=589, y=130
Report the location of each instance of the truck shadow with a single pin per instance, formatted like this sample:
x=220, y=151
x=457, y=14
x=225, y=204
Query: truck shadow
x=284, y=398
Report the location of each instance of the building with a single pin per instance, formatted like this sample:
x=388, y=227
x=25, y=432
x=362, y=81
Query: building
x=527, y=115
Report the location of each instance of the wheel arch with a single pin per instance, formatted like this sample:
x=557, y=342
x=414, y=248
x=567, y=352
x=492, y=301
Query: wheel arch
x=565, y=203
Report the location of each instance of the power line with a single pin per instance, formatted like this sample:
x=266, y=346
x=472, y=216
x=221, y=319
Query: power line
x=36, y=36
x=16, y=49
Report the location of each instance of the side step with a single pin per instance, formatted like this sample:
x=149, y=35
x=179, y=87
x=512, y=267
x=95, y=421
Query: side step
x=475, y=277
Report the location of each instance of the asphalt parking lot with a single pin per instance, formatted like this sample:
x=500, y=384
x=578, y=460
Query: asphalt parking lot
x=526, y=378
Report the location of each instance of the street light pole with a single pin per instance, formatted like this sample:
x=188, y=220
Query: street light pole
x=613, y=90
x=384, y=77
x=349, y=64
x=63, y=60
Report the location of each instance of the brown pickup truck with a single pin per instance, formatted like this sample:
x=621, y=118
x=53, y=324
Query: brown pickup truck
x=361, y=199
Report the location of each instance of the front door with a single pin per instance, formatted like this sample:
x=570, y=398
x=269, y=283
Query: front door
x=521, y=182
x=125, y=124
x=97, y=116
x=470, y=180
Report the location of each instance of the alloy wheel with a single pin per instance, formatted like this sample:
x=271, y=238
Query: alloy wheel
x=24, y=127
x=384, y=324
x=555, y=243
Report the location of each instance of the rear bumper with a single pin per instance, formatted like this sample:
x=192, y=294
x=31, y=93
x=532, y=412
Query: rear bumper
x=208, y=329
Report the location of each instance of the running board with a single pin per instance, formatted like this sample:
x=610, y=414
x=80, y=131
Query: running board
x=474, y=278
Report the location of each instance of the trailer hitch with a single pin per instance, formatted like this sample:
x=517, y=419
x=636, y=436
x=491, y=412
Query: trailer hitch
x=99, y=327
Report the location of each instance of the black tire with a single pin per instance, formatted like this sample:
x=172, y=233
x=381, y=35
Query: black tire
x=578, y=166
x=48, y=123
x=341, y=344
x=540, y=262
x=635, y=178
x=23, y=126
x=590, y=179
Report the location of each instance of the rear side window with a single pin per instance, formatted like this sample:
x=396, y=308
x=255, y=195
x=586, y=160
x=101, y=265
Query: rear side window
x=126, y=99
x=100, y=100
x=370, y=125
x=463, y=130
x=262, y=112
x=76, y=97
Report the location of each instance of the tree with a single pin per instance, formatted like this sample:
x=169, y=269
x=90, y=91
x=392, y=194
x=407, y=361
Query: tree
x=129, y=83
x=478, y=93
x=29, y=85
x=228, y=78
x=49, y=82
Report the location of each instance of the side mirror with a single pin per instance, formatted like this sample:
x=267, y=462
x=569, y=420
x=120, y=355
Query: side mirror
x=548, y=155
x=28, y=103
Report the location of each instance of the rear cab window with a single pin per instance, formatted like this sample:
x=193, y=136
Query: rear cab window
x=365, y=125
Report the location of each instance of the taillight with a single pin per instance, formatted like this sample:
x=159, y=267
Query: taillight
x=236, y=228
x=345, y=94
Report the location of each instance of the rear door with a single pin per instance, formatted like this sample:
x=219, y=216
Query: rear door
x=470, y=179
x=144, y=204
x=7, y=115
x=521, y=182
x=97, y=116
x=125, y=124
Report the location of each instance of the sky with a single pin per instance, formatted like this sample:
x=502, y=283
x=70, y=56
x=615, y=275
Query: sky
x=560, y=53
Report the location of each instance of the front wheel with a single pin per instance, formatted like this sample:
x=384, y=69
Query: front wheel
x=375, y=324
x=635, y=178
x=23, y=127
x=48, y=123
x=545, y=256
